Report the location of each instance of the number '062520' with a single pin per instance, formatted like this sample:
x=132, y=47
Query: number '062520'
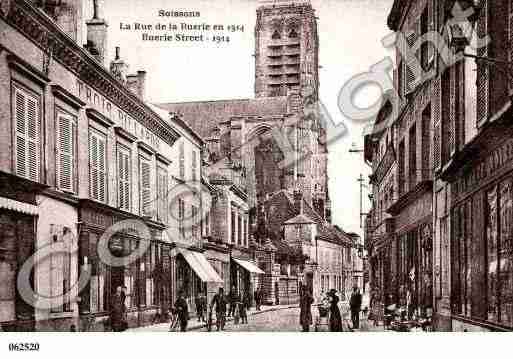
x=23, y=347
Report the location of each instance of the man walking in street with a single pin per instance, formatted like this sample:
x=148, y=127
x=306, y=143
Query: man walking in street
x=117, y=311
x=182, y=309
x=201, y=306
x=305, y=304
x=220, y=302
x=356, y=304
x=258, y=299
x=234, y=299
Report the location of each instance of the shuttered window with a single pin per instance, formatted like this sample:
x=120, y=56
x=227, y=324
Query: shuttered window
x=162, y=188
x=412, y=64
x=182, y=160
x=66, y=147
x=124, y=179
x=98, y=166
x=181, y=217
x=194, y=166
x=145, y=186
x=27, y=139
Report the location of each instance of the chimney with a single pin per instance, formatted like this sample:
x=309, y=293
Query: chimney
x=137, y=84
x=141, y=85
x=118, y=67
x=97, y=34
x=298, y=201
x=132, y=83
x=67, y=14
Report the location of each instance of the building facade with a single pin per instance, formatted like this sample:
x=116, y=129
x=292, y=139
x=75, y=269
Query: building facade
x=85, y=157
x=446, y=233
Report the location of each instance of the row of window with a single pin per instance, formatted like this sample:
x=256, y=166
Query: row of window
x=27, y=159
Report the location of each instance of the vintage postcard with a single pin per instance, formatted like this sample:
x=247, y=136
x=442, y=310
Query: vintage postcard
x=255, y=166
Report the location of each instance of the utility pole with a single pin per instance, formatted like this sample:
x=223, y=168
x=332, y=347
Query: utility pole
x=361, y=181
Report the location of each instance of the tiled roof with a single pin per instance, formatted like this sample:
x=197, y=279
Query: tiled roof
x=300, y=219
x=203, y=116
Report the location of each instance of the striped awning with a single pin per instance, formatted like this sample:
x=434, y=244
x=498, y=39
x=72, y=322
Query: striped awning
x=201, y=266
x=12, y=205
x=250, y=267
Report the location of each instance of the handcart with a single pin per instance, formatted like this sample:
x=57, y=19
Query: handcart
x=322, y=322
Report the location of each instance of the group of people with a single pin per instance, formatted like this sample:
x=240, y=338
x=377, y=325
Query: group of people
x=234, y=305
x=330, y=302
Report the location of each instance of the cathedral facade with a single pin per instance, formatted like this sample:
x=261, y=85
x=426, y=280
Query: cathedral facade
x=273, y=148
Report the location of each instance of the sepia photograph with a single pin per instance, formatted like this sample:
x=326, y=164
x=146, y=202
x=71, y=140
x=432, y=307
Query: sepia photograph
x=322, y=166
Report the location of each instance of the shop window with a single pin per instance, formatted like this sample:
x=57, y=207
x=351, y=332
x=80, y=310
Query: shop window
x=27, y=118
x=124, y=178
x=60, y=272
x=66, y=148
x=98, y=166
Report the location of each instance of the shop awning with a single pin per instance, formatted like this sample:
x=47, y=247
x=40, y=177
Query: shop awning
x=201, y=266
x=249, y=266
x=10, y=204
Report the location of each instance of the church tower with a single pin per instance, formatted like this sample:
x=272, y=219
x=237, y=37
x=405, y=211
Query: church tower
x=286, y=48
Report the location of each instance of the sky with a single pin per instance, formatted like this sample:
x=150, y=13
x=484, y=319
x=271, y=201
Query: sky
x=350, y=33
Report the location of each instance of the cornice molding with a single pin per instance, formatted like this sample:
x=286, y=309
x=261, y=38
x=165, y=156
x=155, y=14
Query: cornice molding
x=95, y=115
x=163, y=159
x=46, y=35
x=121, y=132
x=145, y=147
x=67, y=97
x=26, y=69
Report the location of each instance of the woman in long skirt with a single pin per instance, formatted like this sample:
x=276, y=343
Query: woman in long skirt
x=335, y=317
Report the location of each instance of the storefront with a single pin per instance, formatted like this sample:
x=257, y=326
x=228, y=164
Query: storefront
x=18, y=223
x=147, y=279
x=481, y=236
x=194, y=275
x=17, y=238
x=245, y=275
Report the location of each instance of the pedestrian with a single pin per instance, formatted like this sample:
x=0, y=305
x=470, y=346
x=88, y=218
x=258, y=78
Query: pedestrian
x=117, y=309
x=220, y=302
x=355, y=304
x=335, y=317
x=200, y=306
x=244, y=306
x=305, y=314
x=234, y=298
x=182, y=310
x=258, y=299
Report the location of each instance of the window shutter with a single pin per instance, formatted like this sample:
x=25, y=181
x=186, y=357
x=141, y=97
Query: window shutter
x=124, y=179
x=412, y=63
x=162, y=194
x=21, y=142
x=126, y=185
x=65, y=153
x=145, y=182
x=182, y=160
x=27, y=135
x=483, y=69
x=194, y=165
x=98, y=167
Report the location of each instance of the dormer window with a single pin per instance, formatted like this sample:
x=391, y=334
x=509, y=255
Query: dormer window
x=293, y=34
x=276, y=35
